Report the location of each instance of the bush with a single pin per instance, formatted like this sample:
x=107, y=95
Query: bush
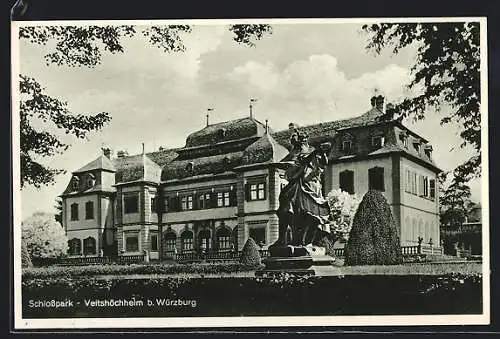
x=250, y=254
x=25, y=256
x=117, y=270
x=373, y=239
x=44, y=237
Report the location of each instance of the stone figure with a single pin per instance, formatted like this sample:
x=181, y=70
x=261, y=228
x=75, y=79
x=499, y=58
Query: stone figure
x=303, y=211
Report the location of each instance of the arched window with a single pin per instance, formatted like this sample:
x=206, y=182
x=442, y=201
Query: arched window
x=223, y=238
x=74, y=246
x=170, y=241
x=186, y=241
x=189, y=168
x=205, y=239
x=89, y=246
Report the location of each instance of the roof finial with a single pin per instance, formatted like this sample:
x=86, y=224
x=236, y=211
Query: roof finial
x=250, y=106
x=208, y=114
x=267, y=127
x=142, y=148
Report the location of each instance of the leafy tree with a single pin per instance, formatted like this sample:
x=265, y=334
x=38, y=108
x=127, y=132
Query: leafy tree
x=76, y=47
x=250, y=254
x=454, y=201
x=59, y=209
x=447, y=70
x=374, y=238
x=44, y=237
x=25, y=256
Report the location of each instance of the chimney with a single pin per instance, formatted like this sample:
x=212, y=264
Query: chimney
x=379, y=103
x=108, y=153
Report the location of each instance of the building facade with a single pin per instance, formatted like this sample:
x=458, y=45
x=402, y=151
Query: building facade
x=223, y=186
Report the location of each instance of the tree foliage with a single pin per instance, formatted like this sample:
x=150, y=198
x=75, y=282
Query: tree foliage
x=447, y=69
x=250, y=254
x=59, y=208
x=36, y=106
x=454, y=201
x=374, y=238
x=84, y=46
x=44, y=237
x=25, y=256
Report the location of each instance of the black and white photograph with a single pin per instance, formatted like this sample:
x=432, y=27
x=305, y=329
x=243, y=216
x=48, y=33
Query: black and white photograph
x=243, y=173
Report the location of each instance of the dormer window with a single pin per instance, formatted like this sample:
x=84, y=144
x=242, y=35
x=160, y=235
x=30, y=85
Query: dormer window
x=76, y=184
x=90, y=181
x=377, y=141
x=428, y=151
x=221, y=133
x=189, y=168
x=404, y=138
x=347, y=143
x=416, y=145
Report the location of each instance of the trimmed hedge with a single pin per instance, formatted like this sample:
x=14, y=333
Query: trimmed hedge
x=373, y=239
x=96, y=270
x=250, y=255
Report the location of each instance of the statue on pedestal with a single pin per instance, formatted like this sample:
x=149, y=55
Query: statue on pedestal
x=303, y=211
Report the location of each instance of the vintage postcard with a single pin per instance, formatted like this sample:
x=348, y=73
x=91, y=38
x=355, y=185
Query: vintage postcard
x=250, y=173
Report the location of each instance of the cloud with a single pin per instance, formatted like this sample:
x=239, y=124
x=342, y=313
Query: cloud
x=315, y=89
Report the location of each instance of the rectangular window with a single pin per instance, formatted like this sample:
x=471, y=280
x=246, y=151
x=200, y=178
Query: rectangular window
x=414, y=183
x=132, y=242
x=426, y=187
x=432, y=189
x=131, y=203
x=255, y=191
x=165, y=204
x=421, y=186
x=89, y=210
x=376, y=179
x=154, y=242
x=261, y=191
x=346, y=181
x=377, y=141
x=74, y=211
x=220, y=200
x=347, y=146
x=408, y=181
x=153, y=204
x=183, y=203
x=190, y=202
x=226, y=199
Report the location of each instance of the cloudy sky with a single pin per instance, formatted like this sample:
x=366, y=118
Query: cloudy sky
x=302, y=73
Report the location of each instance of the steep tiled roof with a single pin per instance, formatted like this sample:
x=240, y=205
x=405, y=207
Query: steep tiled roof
x=136, y=168
x=264, y=150
x=179, y=169
x=225, y=131
x=101, y=163
x=322, y=132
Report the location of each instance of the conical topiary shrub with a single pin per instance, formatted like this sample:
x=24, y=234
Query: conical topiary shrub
x=373, y=239
x=25, y=256
x=250, y=254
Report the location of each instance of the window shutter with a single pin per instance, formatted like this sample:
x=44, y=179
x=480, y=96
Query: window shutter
x=232, y=197
x=213, y=199
x=247, y=192
x=265, y=190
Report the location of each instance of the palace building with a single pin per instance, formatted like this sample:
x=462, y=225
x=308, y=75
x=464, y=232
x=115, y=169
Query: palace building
x=222, y=187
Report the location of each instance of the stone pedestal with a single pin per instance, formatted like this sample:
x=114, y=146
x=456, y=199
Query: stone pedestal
x=310, y=260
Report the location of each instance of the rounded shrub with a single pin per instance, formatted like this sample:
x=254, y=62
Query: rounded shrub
x=373, y=239
x=250, y=254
